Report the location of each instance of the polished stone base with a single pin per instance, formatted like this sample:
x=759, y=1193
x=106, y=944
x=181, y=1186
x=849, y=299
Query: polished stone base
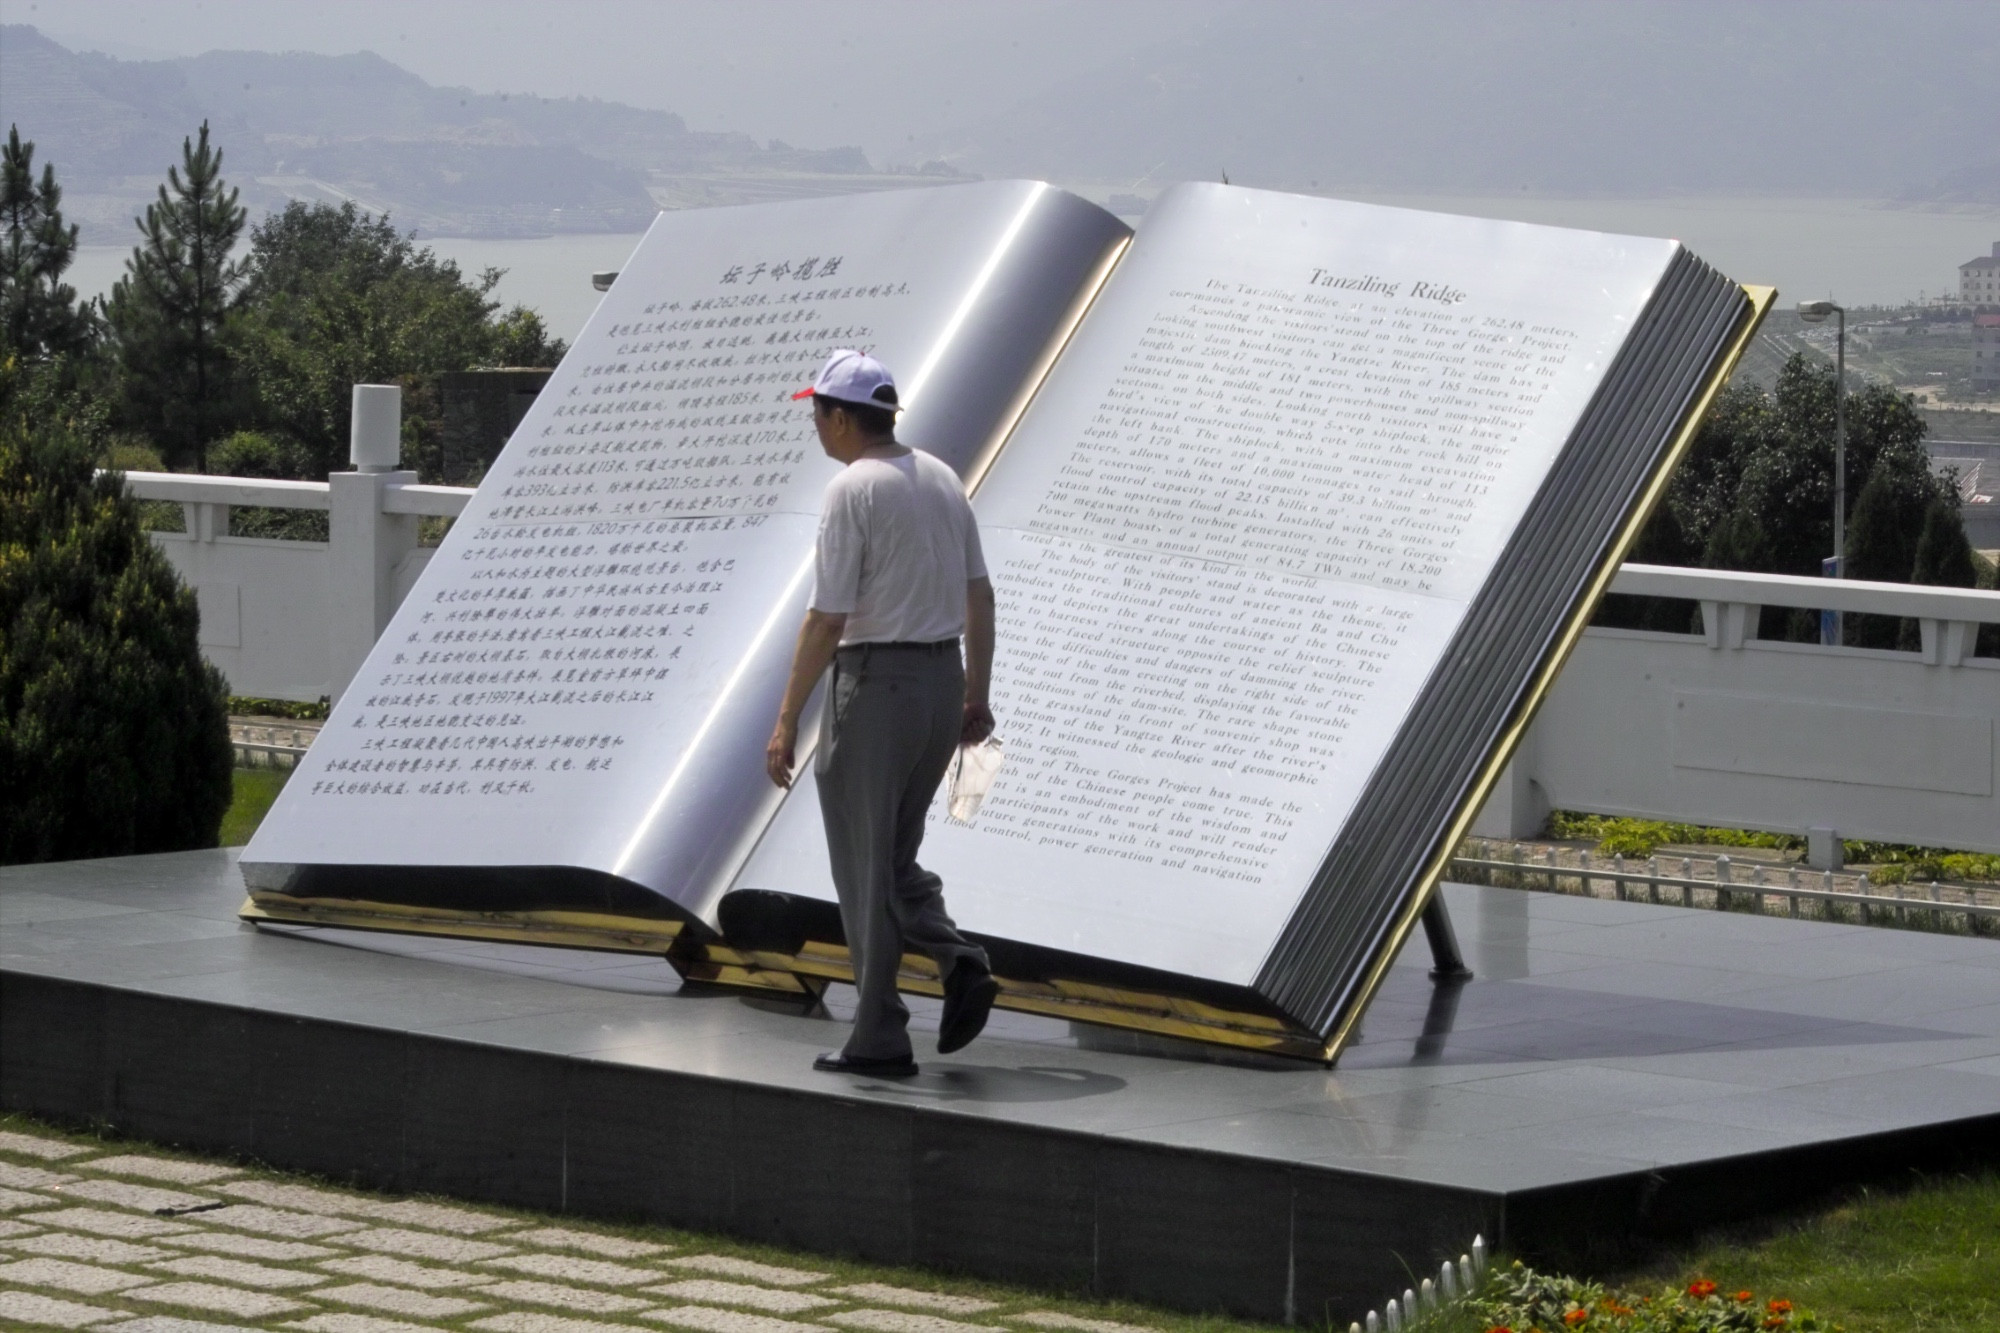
x=1613, y=1071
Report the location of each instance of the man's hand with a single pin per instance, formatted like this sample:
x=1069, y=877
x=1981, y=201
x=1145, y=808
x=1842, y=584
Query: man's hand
x=977, y=726
x=819, y=637
x=978, y=723
x=778, y=753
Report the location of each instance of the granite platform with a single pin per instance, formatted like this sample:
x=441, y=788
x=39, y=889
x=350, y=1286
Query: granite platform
x=1614, y=1071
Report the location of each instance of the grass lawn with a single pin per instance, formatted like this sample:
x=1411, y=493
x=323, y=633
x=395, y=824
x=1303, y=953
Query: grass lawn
x=256, y=788
x=1927, y=1258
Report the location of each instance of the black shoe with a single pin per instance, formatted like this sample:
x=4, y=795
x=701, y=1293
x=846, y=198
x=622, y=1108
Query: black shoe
x=833, y=1062
x=969, y=993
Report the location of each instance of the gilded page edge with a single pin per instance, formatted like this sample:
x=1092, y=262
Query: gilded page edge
x=1760, y=300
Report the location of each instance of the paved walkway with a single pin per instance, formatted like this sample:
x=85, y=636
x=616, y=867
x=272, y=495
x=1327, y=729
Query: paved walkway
x=102, y=1238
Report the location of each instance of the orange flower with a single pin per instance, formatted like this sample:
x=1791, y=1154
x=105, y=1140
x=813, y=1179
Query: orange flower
x=1499, y=1328
x=1779, y=1307
x=1575, y=1317
x=1774, y=1321
x=1701, y=1287
x=1743, y=1297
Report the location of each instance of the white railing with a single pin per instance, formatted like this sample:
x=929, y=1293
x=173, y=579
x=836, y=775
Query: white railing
x=1725, y=728
x=1712, y=728
x=294, y=619
x=1730, y=603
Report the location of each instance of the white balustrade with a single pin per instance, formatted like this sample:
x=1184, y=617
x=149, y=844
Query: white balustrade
x=1719, y=727
x=1725, y=728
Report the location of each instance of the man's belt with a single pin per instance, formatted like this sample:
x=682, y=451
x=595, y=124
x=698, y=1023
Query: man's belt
x=902, y=646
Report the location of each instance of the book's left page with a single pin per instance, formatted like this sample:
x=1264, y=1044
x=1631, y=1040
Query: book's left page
x=570, y=707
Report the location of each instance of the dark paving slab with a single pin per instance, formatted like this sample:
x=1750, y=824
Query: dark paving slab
x=1614, y=1069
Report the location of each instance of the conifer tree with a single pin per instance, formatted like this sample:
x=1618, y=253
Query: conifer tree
x=1882, y=537
x=40, y=319
x=169, y=312
x=1944, y=554
x=114, y=733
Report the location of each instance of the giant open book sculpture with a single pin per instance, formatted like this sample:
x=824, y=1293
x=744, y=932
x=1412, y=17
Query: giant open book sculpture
x=1294, y=508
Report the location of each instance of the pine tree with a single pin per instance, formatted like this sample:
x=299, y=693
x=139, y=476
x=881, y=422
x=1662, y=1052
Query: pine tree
x=1944, y=557
x=1882, y=543
x=114, y=734
x=40, y=319
x=1944, y=554
x=170, y=311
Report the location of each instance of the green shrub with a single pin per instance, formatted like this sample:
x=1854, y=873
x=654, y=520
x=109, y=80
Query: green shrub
x=246, y=706
x=1624, y=836
x=113, y=736
x=1518, y=1299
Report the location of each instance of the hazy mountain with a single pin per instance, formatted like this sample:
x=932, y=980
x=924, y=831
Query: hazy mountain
x=295, y=125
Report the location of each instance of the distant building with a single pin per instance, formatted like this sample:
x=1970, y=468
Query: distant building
x=1979, y=279
x=1986, y=352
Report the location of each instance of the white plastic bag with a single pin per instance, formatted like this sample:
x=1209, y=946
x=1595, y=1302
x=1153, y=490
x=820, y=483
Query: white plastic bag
x=971, y=776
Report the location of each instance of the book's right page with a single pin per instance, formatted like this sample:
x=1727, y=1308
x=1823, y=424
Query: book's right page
x=1231, y=539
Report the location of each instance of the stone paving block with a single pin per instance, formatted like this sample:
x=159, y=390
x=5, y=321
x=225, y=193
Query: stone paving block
x=163, y=1168
x=222, y=1300
x=64, y=1275
x=709, y=1291
x=424, y=1245
x=397, y=1300
x=145, y=1198
x=279, y=1222
x=709, y=1320
x=521, y=1321
x=33, y=1145
x=610, y=1247
x=563, y=1298
x=1075, y=1323
x=304, y=1198
x=875, y=1293
x=91, y=1249
x=8, y=1229
x=13, y=1201
x=902, y=1321
x=250, y=1247
x=568, y=1268
x=27, y=1307
x=725, y=1266
x=104, y=1222
x=239, y=1271
x=160, y=1323
x=383, y=1268
x=343, y=1322
x=16, y=1176
x=433, y=1216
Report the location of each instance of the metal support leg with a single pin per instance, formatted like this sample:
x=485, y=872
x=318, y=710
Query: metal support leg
x=1447, y=963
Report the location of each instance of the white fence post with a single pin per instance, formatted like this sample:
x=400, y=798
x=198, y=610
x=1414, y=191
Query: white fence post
x=368, y=546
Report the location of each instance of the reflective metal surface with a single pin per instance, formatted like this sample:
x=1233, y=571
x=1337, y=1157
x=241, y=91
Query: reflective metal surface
x=586, y=673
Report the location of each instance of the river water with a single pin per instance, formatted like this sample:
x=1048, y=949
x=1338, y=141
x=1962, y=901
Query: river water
x=1855, y=252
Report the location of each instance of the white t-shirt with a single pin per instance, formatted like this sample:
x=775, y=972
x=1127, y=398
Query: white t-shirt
x=897, y=543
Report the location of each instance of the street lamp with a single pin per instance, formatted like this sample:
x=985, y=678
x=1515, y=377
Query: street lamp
x=1815, y=312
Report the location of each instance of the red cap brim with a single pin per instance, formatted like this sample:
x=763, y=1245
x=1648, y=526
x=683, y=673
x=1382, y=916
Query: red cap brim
x=802, y=393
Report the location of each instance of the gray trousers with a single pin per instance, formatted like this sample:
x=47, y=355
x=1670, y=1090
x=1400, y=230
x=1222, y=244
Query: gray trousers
x=888, y=733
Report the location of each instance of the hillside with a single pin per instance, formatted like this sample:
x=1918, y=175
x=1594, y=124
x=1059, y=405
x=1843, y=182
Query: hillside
x=447, y=161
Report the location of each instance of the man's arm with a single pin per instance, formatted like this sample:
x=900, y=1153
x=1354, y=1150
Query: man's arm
x=819, y=637
x=978, y=724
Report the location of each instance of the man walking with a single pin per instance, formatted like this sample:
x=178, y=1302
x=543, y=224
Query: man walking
x=899, y=577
